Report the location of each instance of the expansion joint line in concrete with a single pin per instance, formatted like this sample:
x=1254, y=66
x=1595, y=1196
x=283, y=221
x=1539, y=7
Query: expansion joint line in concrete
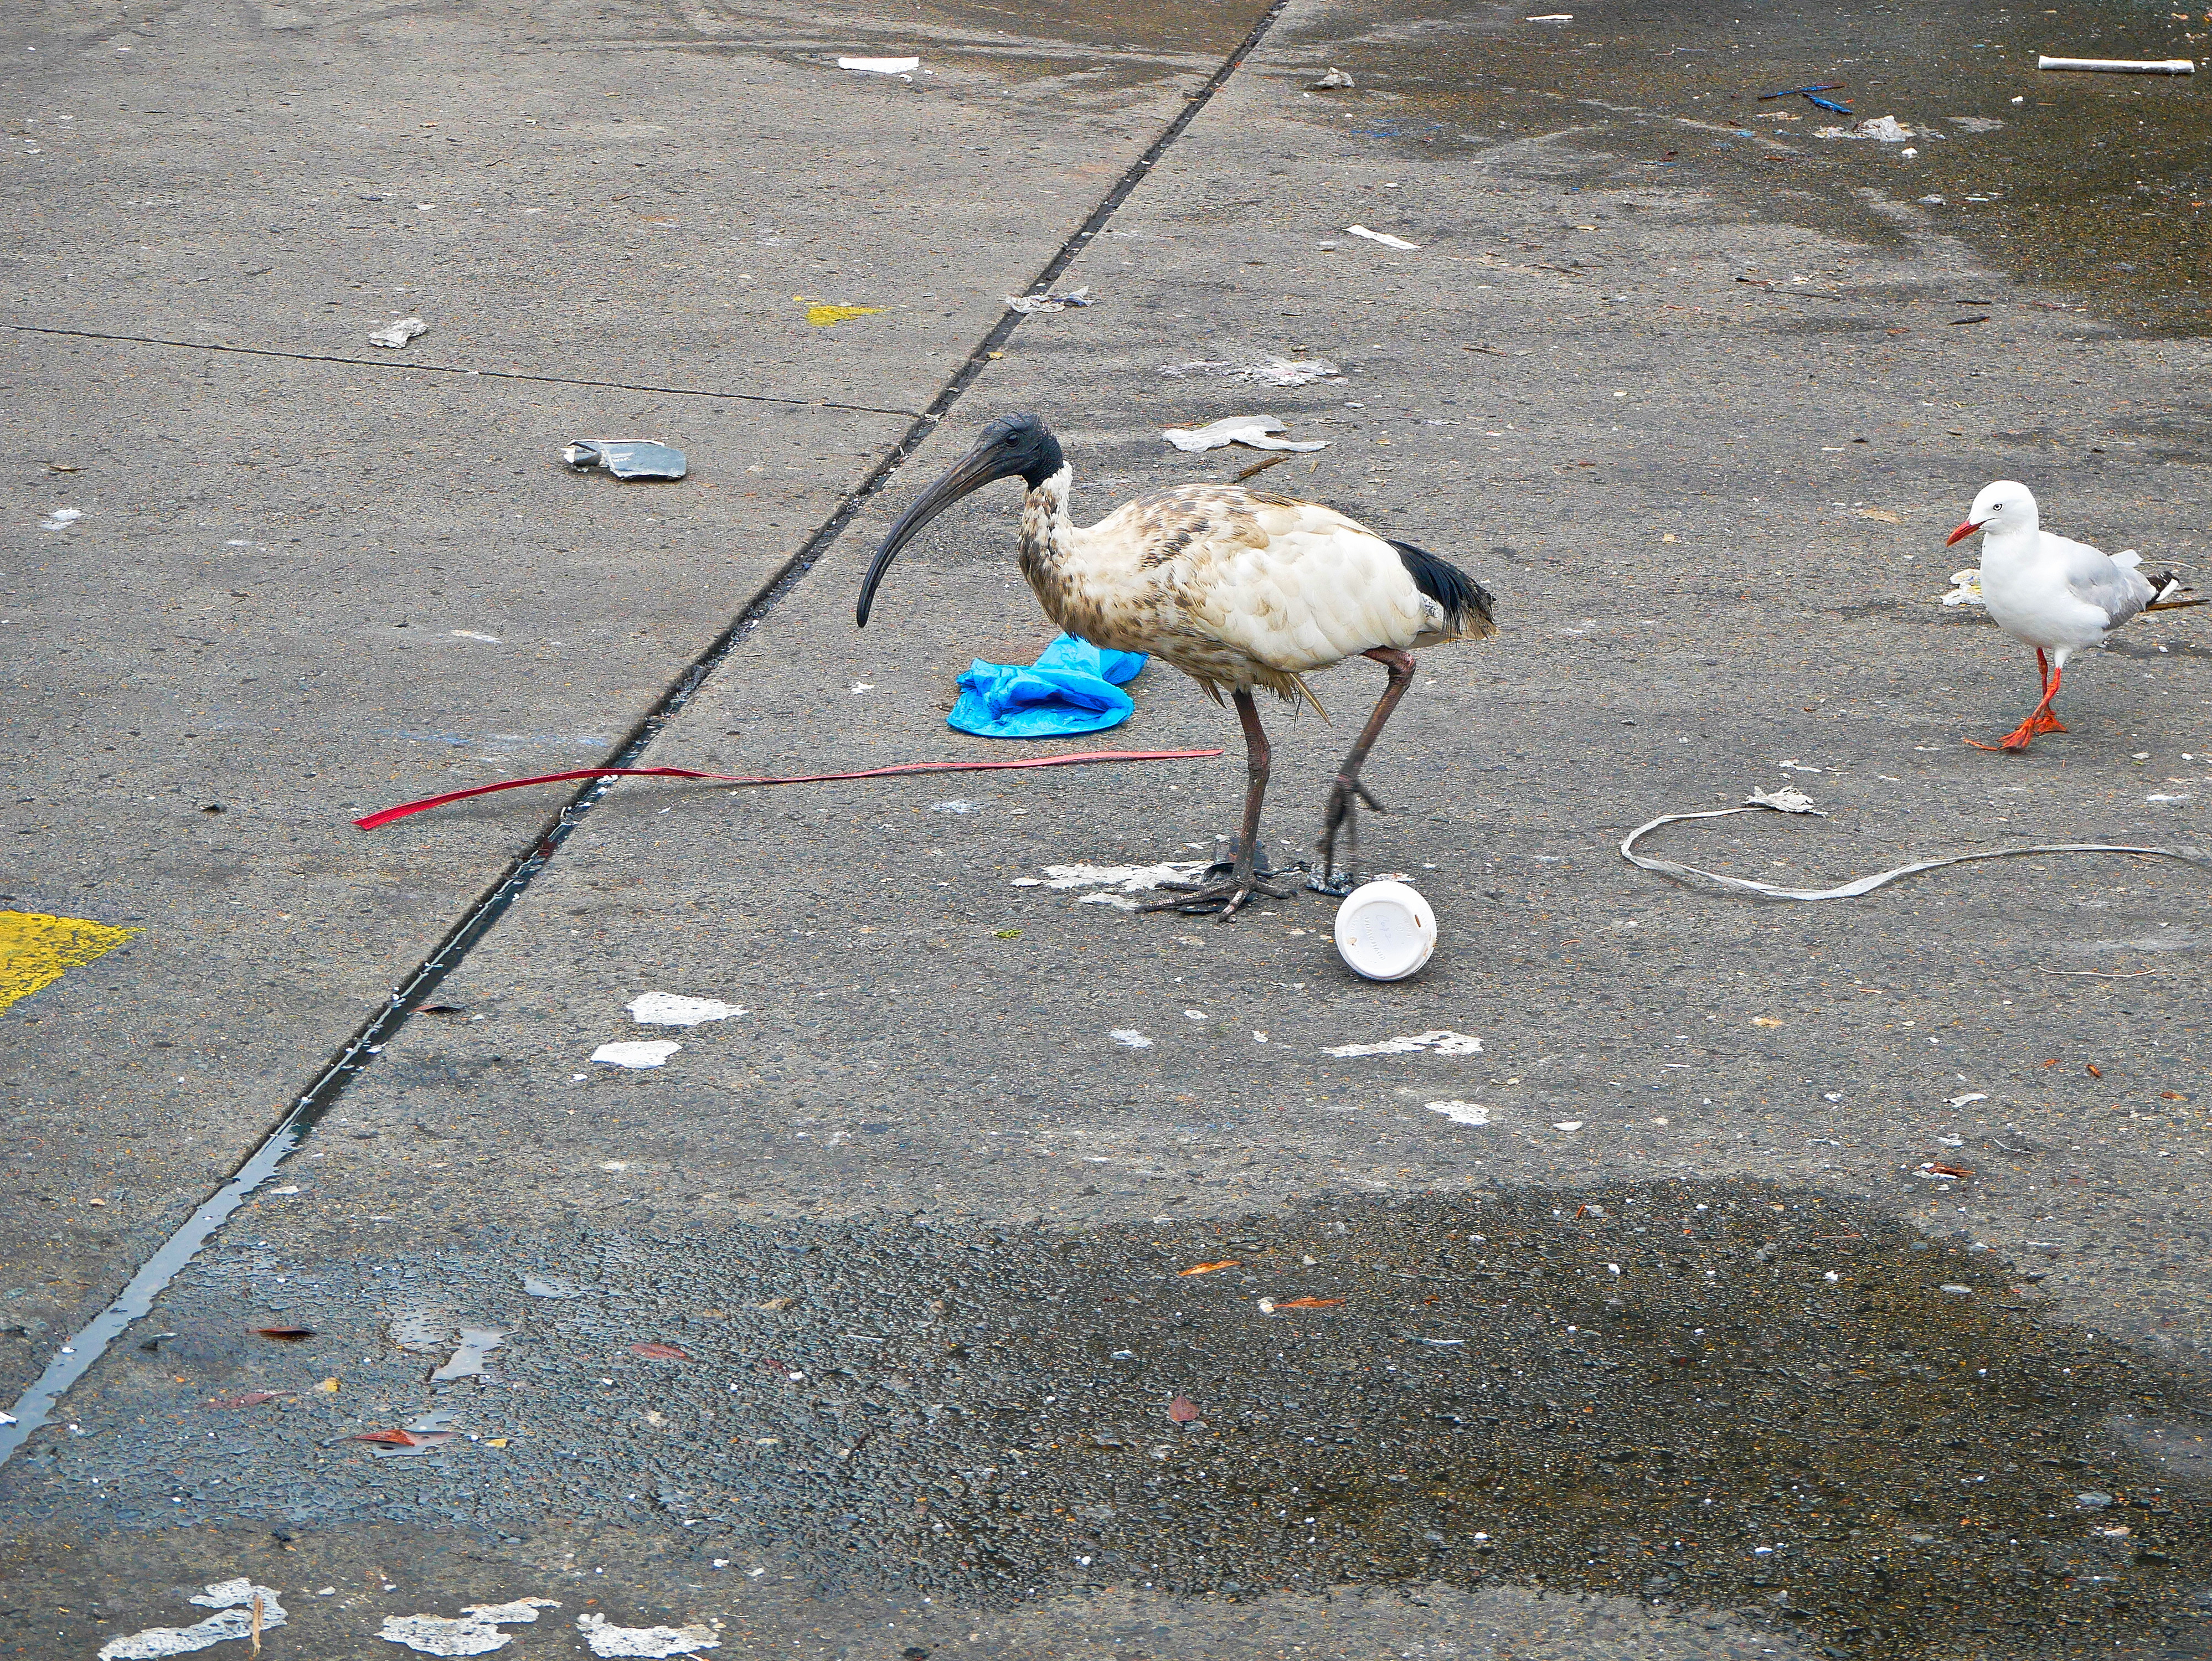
x=413, y=366
x=76, y=1357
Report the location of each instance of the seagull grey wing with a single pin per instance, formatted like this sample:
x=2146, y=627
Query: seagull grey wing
x=2093, y=578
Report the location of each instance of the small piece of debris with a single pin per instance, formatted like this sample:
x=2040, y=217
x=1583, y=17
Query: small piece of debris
x=399, y=333
x=1384, y=237
x=1335, y=80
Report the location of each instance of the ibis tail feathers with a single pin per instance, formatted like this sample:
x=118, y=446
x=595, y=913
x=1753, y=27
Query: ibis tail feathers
x=1465, y=603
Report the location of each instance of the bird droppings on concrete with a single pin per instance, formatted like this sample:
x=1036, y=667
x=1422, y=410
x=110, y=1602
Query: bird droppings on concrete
x=602, y=1638
x=1472, y=1113
x=475, y=1631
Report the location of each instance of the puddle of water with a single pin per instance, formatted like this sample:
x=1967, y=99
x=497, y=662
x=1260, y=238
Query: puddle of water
x=2094, y=187
x=1657, y=1391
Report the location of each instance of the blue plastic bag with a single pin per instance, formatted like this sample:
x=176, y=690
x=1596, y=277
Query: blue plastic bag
x=1072, y=687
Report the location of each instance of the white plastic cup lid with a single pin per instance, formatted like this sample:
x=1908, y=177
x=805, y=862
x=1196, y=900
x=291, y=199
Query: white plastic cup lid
x=1385, y=931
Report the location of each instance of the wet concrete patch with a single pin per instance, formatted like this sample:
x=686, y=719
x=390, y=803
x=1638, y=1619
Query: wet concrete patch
x=1655, y=1391
x=2094, y=185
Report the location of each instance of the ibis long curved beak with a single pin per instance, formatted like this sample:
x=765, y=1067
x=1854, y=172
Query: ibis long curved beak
x=985, y=465
x=1961, y=534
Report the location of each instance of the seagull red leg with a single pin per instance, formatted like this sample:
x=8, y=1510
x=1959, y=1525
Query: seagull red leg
x=2039, y=720
x=1227, y=897
x=1344, y=797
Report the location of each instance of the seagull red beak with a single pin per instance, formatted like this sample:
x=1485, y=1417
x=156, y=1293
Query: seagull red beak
x=1961, y=534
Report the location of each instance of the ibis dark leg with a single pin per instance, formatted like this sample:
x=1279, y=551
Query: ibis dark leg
x=1343, y=809
x=1227, y=897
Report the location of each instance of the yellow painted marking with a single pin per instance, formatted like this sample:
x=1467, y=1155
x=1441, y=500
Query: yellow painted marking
x=823, y=316
x=36, y=949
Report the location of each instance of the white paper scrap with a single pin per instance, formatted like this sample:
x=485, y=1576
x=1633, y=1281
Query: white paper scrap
x=1384, y=237
x=877, y=66
x=1441, y=1042
x=649, y=1053
x=672, y=1009
x=1255, y=432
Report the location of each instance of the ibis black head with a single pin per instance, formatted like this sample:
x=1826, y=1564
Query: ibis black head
x=1012, y=447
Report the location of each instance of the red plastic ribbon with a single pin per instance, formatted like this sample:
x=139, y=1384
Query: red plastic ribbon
x=384, y=817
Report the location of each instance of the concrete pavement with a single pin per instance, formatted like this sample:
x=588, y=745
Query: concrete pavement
x=1712, y=511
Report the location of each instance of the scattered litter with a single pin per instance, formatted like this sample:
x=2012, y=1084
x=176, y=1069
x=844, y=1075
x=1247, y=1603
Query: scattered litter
x=1552, y=17
x=1793, y=92
x=1956, y=1290
x=61, y=519
x=655, y=1351
x=476, y=1343
x=247, y=1609
x=1790, y=800
x=627, y=458
x=606, y=1640
x=1385, y=931
x=1569, y=1124
x=871, y=66
x=1461, y=1112
x=476, y=1631
x=549, y=1287
x=1384, y=237
x=286, y=1334
x=651, y=1052
x=1935, y=1171
x=1251, y=431
x=823, y=316
x=1960, y=1101
x=1309, y=1303
x=1441, y=1042
x=672, y=1009
x=399, y=333
x=1335, y=80
x=1183, y=1410
x=1072, y=687
x=1130, y=1038
x=1269, y=371
x=1885, y=128
x=2119, y=65
x=1209, y=1269
x=1966, y=587
x=1029, y=305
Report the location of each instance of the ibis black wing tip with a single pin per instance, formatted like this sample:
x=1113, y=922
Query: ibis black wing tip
x=1466, y=602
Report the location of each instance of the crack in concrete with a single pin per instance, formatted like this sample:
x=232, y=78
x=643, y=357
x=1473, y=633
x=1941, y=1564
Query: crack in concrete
x=76, y=1358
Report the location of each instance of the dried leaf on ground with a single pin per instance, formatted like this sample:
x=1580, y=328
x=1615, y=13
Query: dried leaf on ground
x=1183, y=1410
x=1208, y=1269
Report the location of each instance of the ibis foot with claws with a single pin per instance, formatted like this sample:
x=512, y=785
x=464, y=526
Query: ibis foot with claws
x=1247, y=869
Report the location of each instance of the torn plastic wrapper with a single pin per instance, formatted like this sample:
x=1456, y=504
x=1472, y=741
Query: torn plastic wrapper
x=1072, y=687
x=399, y=333
x=1255, y=432
x=1073, y=300
x=627, y=458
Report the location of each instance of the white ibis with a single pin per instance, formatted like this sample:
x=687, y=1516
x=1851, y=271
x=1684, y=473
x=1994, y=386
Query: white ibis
x=1237, y=589
x=2060, y=597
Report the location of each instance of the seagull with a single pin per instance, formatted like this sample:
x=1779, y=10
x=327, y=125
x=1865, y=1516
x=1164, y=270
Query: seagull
x=2060, y=597
x=1240, y=589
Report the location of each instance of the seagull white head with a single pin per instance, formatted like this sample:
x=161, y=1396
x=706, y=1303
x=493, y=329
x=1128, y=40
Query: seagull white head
x=2002, y=506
